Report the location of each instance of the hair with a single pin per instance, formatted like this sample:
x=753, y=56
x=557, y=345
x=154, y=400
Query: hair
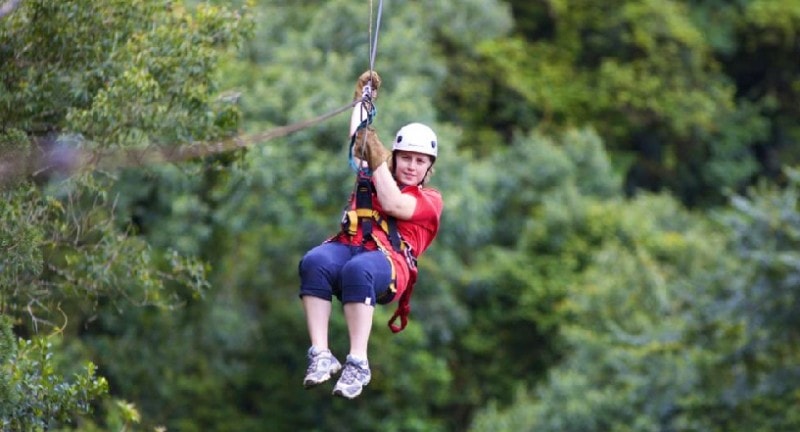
x=429, y=174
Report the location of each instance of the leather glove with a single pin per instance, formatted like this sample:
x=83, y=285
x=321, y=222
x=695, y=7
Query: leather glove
x=373, y=150
x=363, y=80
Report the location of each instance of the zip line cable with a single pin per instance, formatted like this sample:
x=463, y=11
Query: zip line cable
x=69, y=161
x=374, y=42
x=368, y=105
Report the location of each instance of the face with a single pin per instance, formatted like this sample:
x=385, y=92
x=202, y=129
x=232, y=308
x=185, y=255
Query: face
x=411, y=167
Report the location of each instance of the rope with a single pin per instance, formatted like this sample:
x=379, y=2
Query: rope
x=69, y=161
x=366, y=96
x=374, y=46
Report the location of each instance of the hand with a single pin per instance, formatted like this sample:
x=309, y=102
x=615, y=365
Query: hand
x=372, y=150
x=371, y=77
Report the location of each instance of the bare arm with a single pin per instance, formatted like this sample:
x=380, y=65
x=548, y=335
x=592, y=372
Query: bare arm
x=393, y=202
x=359, y=114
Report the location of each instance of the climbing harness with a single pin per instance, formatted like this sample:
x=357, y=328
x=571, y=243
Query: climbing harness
x=360, y=213
x=363, y=215
x=366, y=217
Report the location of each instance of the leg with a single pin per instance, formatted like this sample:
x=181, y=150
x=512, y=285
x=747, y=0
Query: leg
x=318, y=313
x=359, y=327
x=363, y=276
x=319, y=277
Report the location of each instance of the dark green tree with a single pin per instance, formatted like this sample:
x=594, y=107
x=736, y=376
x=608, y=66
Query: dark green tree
x=677, y=324
x=692, y=98
x=79, y=78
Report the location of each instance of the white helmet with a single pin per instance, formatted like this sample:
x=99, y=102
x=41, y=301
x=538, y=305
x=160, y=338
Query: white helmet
x=416, y=137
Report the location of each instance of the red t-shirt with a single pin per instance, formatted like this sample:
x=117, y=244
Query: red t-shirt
x=418, y=231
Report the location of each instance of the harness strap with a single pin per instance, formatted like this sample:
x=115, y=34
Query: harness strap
x=403, y=310
x=364, y=203
x=389, y=294
x=364, y=215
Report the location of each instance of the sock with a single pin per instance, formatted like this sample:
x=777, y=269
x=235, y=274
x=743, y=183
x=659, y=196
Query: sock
x=358, y=360
x=315, y=350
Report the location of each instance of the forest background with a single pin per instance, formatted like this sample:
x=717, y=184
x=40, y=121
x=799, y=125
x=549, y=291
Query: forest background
x=619, y=248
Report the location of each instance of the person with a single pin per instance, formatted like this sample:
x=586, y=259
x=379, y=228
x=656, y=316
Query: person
x=390, y=220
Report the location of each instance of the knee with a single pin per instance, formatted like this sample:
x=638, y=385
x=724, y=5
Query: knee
x=318, y=272
x=309, y=262
x=356, y=273
x=314, y=262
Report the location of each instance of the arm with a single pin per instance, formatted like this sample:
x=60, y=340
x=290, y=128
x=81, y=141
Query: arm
x=359, y=114
x=378, y=158
x=365, y=93
x=356, y=117
x=366, y=89
x=393, y=202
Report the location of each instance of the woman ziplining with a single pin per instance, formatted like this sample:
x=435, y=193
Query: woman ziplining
x=390, y=220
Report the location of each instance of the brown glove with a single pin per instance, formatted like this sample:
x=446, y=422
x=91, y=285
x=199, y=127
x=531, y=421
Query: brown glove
x=372, y=150
x=363, y=80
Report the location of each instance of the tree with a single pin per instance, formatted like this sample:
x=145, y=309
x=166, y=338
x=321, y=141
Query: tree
x=80, y=76
x=678, y=325
x=661, y=91
x=33, y=396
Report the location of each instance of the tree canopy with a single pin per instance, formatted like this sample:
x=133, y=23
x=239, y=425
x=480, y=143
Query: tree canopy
x=617, y=252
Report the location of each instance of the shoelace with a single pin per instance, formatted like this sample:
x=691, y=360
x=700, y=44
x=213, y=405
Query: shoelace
x=351, y=372
x=312, y=367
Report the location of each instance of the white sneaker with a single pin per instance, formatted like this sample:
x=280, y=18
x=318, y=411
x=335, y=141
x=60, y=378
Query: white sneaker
x=355, y=377
x=322, y=365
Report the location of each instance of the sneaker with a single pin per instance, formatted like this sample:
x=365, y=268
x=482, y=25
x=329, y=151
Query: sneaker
x=355, y=377
x=322, y=365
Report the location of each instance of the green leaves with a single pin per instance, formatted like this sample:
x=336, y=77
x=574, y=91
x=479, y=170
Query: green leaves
x=33, y=395
x=546, y=291
x=669, y=330
x=79, y=75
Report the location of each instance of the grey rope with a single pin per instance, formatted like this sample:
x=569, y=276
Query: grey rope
x=374, y=42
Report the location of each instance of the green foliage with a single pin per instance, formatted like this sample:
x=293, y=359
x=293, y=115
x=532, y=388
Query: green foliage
x=79, y=75
x=658, y=79
x=632, y=340
x=671, y=334
x=548, y=302
x=498, y=285
x=21, y=240
x=69, y=240
x=117, y=72
x=33, y=395
x=16, y=148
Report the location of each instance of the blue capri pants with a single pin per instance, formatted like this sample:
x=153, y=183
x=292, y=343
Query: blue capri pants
x=351, y=273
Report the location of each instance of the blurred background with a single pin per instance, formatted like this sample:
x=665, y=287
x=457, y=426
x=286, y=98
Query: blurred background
x=618, y=252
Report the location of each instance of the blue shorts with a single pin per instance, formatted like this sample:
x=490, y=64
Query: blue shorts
x=351, y=273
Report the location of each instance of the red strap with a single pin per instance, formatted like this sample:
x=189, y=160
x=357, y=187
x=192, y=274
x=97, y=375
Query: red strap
x=402, y=311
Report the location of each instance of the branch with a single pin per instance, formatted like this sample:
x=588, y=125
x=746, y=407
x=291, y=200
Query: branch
x=8, y=7
x=65, y=161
